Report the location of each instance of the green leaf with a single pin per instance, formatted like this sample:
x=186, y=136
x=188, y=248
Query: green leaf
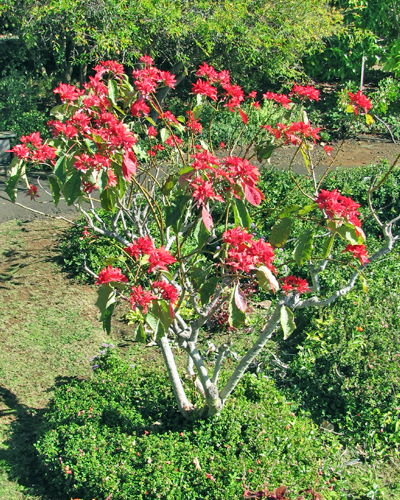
x=55, y=189
x=159, y=318
x=208, y=290
x=58, y=112
x=327, y=246
x=106, y=297
x=175, y=212
x=199, y=274
x=185, y=170
x=197, y=111
x=164, y=134
x=302, y=252
x=150, y=120
x=349, y=109
x=11, y=187
x=200, y=233
x=204, y=145
x=288, y=211
x=107, y=200
x=348, y=232
x=168, y=185
x=265, y=153
x=242, y=217
x=60, y=169
x=236, y=316
x=280, y=232
x=140, y=153
x=287, y=322
x=305, y=158
x=72, y=187
x=140, y=335
x=363, y=280
x=112, y=91
x=266, y=279
x=91, y=145
x=102, y=180
x=308, y=208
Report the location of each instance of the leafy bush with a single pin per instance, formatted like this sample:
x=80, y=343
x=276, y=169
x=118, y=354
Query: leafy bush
x=23, y=101
x=119, y=433
x=347, y=372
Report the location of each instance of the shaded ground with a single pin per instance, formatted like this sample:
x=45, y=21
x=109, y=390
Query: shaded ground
x=355, y=153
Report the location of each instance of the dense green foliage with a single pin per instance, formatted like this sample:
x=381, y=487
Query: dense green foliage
x=119, y=432
x=370, y=29
x=244, y=36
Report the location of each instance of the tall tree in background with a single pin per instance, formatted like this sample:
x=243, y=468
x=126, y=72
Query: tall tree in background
x=258, y=38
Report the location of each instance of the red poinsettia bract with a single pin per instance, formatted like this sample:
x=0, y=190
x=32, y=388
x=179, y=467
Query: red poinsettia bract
x=359, y=252
x=292, y=283
x=111, y=275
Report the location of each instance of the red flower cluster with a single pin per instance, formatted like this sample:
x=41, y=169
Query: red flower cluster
x=360, y=100
x=337, y=206
x=68, y=93
x=32, y=149
x=294, y=133
x=193, y=124
x=32, y=192
x=148, y=78
x=291, y=283
x=141, y=298
x=245, y=253
x=159, y=258
x=278, y=98
x=358, y=251
x=308, y=92
x=111, y=275
x=168, y=292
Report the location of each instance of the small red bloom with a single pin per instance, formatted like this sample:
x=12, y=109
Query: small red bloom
x=68, y=92
x=32, y=192
x=204, y=88
x=291, y=283
x=308, y=92
x=358, y=251
x=361, y=100
x=159, y=259
x=142, y=246
x=21, y=151
x=139, y=107
x=328, y=149
x=111, y=275
x=209, y=476
x=141, y=298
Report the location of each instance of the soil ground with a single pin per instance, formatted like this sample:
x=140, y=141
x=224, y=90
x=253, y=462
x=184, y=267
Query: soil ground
x=356, y=152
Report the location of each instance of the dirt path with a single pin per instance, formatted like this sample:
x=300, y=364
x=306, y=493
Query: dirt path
x=365, y=151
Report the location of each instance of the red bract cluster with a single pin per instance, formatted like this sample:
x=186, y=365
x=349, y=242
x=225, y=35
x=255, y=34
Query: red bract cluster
x=168, y=292
x=141, y=298
x=148, y=78
x=158, y=258
x=193, y=124
x=232, y=95
x=308, y=92
x=337, y=206
x=246, y=253
x=111, y=275
x=278, y=98
x=359, y=100
x=32, y=192
x=32, y=149
x=214, y=179
x=359, y=252
x=294, y=133
x=293, y=284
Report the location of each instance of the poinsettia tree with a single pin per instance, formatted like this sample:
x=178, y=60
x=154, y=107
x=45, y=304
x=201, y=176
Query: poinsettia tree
x=180, y=211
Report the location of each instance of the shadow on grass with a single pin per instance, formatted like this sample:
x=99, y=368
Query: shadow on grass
x=19, y=460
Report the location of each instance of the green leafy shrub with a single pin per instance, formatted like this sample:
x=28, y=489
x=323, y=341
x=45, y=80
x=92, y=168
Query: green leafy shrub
x=347, y=370
x=23, y=101
x=120, y=433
